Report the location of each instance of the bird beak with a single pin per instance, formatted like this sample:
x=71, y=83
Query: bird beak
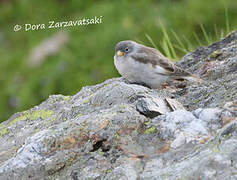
x=120, y=53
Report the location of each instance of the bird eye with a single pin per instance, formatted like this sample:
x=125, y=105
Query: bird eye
x=126, y=49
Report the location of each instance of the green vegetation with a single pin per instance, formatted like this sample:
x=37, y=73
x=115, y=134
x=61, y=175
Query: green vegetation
x=175, y=27
x=151, y=130
x=33, y=115
x=4, y=131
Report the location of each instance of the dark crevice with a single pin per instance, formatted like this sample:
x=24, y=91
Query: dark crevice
x=101, y=144
x=97, y=145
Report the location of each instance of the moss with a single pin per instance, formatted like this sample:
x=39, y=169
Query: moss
x=50, y=121
x=88, y=98
x=151, y=130
x=114, y=114
x=79, y=115
x=196, y=101
x=215, y=54
x=33, y=115
x=108, y=171
x=70, y=160
x=215, y=148
x=36, y=130
x=100, y=151
x=66, y=98
x=226, y=136
x=147, y=123
x=4, y=131
x=2, y=126
x=83, y=124
x=206, y=94
x=116, y=136
x=123, y=108
x=86, y=101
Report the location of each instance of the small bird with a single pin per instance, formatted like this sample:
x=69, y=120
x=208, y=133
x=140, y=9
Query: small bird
x=147, y=66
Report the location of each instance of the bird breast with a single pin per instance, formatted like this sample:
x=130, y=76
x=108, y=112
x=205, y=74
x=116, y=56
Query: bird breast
x=138, y=72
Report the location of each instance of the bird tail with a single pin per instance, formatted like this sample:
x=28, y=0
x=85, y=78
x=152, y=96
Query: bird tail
x=193, y=78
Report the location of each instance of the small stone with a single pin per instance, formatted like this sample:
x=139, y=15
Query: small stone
x=151, y=107
x=209, y=173
x=179, y=141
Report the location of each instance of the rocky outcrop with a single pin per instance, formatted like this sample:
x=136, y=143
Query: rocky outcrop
x=117, y=130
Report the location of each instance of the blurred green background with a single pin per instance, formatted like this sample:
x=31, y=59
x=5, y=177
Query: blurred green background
x=86, y=58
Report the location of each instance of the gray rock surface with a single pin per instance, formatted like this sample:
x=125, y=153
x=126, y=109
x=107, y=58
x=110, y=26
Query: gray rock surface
x=115, y=130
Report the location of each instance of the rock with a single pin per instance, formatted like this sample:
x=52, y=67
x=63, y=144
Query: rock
x=117, y=130
x=154, y=106
x=220, y=81
x=180, y=140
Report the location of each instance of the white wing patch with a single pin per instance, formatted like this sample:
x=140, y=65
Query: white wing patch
x=160, y=70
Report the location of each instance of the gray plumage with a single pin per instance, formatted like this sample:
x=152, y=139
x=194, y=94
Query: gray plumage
x=145, y=65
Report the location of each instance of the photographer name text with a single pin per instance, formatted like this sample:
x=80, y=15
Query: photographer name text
x=59, y=24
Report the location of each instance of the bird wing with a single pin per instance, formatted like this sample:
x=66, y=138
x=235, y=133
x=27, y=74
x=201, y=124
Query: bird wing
x=161, y=63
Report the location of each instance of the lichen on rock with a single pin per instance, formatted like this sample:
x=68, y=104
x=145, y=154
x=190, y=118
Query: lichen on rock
x=35, y=114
